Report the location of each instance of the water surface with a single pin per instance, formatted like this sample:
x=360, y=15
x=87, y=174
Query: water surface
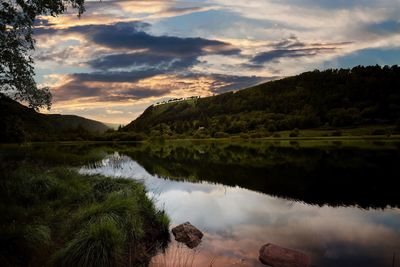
x=331, y=202
x=336, y=201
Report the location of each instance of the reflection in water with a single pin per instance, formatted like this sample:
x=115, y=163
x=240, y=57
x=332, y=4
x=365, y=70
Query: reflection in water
x=237, y=221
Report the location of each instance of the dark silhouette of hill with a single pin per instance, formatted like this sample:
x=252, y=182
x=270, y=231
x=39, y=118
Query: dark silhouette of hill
x=330, y=98
x=21, y=123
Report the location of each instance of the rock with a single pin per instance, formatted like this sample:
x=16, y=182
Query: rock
x=276, y=256
x=187, y=234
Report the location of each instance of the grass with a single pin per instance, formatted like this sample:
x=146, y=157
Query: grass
x=57, y=217
x=364, y=131
x=179, y=255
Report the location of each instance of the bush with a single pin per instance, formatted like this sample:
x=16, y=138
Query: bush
x=294, y=133
x=221, y=135
x=276, y=135
x=397, y=127
x=256, y=135
x=379, y=132
x=244, y=136
x=337, y=133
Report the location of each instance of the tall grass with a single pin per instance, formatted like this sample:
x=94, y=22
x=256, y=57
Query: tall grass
x=97, y=244
x=179, y=255
x=57, y=217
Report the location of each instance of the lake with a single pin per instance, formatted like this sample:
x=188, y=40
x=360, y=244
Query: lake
x=336, y=201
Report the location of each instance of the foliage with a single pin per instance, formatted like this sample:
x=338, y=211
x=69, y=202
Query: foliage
x=333, y=98
x=17, y=19
x=337, y=133
x=58, y=217
x=294, y=133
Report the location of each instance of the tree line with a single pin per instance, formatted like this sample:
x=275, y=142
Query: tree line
x=331, y=98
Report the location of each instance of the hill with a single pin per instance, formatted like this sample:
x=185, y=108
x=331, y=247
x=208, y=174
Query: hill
x=25, y=124
x=331, y=98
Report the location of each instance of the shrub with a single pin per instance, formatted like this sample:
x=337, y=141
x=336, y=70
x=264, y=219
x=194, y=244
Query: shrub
x=397, y=127
x=276, y=135
x=378, y=132
x=221, y=135
x=244, y=136
x=294, y=133
x=256, y=135
x=337, y=133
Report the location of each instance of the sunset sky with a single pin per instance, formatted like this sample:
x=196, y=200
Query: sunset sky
x=122, y=56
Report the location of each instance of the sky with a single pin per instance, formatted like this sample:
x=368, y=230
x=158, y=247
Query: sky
x=122, y=56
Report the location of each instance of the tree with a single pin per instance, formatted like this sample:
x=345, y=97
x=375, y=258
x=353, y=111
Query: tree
x=17, y=18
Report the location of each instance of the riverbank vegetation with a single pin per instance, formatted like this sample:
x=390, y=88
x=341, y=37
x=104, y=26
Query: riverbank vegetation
x=58, y=217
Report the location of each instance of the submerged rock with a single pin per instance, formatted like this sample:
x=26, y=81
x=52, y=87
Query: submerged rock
x=276, y=256
x=187, y=234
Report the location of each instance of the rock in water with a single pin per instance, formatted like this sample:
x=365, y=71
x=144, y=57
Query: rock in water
x=276, y=256
x=187, y=234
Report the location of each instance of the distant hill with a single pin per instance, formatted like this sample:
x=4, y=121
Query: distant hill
x=24, y=124
x=114, y=126
x=330, y=98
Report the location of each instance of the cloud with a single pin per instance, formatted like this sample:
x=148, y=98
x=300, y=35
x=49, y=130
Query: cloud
x=387, y=27
x=371, y=56
x=329, y=4
x=220, y=83
x=57, y=55
x=289, y=53
x=143, y=59
x=114, y=87
x=133, y=54
x=133, y=36
x=293, y=48
x=112, y=111
x=226, y=83
x=100, y=92
x=116, y=76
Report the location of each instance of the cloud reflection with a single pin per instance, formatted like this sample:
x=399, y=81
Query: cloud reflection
x=238, y=221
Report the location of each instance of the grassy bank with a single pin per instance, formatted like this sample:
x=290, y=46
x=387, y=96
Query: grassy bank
x=365, y=131
x=57, y=217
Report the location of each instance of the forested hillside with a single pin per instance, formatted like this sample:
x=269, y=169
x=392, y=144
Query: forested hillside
x=24, y=124
x=330, y=98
